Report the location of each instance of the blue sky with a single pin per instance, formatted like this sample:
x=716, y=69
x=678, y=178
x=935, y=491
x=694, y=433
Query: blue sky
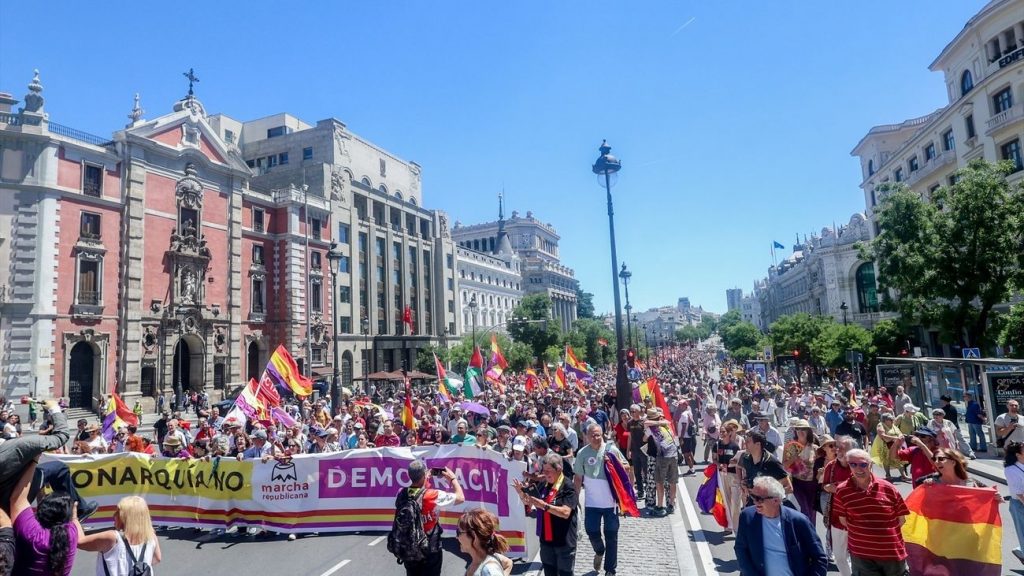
x=733, y=119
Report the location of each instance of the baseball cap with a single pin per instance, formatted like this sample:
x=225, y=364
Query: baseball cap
x=922, y=431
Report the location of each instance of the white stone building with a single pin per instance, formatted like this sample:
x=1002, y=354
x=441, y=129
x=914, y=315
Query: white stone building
x=492, y=280
x=536, y=245
x=821, y=276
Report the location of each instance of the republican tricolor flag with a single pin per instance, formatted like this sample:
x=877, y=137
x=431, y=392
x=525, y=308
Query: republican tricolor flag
x=445, y=386
x=709, y=497
x=408, y=416
x=118, y=414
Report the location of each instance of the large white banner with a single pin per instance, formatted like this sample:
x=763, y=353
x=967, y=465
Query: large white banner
x=347, y=491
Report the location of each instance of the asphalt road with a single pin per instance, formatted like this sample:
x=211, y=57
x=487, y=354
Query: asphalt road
x=724, y=557
x=186, y=553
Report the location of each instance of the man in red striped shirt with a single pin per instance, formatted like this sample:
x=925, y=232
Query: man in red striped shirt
x=873, y=513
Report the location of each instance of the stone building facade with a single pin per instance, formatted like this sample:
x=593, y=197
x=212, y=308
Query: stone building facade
x=536, y=245
x=171, y=257
x=824, y=273
x=491, y=279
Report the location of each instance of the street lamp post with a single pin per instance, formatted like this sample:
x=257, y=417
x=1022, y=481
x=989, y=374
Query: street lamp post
x=626, y=275
x=844, y=308
x=472, y=312
x=366, y=353
x=334, y=256
x=607, y=165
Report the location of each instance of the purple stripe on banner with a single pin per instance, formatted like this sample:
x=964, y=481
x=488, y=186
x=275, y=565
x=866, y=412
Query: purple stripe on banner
x=923, y=561
x=279, y=382
x=580, y=374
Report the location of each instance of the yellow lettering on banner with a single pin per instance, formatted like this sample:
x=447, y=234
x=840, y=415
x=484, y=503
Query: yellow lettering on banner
x=222, y=480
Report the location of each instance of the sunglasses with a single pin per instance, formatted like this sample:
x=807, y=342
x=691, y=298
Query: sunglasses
x=459, y=532
x=759, y=499
x=860, y=464
x=938, y=459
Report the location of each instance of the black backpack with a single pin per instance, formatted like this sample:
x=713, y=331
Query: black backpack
x=136, y=566
x=408, y=541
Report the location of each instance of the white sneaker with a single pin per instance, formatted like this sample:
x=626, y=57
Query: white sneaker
x=291, y=537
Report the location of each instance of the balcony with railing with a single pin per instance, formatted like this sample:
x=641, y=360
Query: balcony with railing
x=931, y=166
x=1004, y=118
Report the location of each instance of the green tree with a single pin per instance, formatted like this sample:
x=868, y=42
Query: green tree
x=584, y=303
x=795, y=332
x=889, y=337
x=688, y=334
x=591, y=331
x=1012, y=334
x=728, y=319
x=542, y=332
x=953, y=258
x=741, y=335
x=519, y=356
x=425, y=358
x=830, y=346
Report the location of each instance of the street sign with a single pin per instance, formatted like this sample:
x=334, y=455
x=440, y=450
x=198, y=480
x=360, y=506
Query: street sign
x=971, y=352
x=854, y=357
x=768, y=353
x=634, y=374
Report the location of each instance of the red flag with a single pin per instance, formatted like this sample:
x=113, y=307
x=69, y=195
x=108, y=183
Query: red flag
x=477, y=361
x=407, y=318
x=659, y=401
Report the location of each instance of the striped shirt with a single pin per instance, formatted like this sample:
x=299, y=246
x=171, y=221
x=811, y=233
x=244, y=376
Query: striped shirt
x=872, y=519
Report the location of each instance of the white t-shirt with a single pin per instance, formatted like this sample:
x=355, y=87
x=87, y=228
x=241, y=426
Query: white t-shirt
x=1018, y=433
x=116, y=558
x=596, y=491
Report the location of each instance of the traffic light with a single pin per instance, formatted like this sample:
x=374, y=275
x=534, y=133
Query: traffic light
x=904, y=352
x=796, y=353
x=631, y=358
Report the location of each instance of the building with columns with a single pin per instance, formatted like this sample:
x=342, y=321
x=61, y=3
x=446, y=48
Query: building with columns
x=824, y=274
x=182, y=255
x=491, y=280
x=536, y=245
x=396, y=253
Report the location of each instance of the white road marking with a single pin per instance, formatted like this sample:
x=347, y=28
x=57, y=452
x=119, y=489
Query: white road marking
x=703, y=549
x=377, y=540
x=336, y=567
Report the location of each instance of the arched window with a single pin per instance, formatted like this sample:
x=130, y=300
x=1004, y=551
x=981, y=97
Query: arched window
x=867, y=290
x=366, y=182
x=398, y=195
x=412, y=200
x=383, y=189
x=966, y=82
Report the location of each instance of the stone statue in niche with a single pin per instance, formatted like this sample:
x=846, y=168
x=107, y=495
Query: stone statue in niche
x=203, y=250
x=189, y=285
x=189, y=229
x=338, y=185
x=175, y=241
x=149, y=339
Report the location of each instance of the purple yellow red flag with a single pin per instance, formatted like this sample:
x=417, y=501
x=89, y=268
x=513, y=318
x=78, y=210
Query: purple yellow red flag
x=709, y=497
x=285, y=373
x=408, y=418
x=118, y=414
x=953, y=530
x=574, y=366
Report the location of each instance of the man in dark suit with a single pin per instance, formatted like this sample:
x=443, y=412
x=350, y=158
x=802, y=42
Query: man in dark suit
x=773, y=540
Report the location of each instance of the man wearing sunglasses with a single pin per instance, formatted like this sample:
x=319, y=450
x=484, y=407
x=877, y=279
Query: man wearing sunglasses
x=873, y=512
x=775, y=540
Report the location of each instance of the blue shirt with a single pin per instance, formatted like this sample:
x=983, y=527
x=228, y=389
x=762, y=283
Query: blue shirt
x=973, y=413
x=776, y=561
x=833, y=419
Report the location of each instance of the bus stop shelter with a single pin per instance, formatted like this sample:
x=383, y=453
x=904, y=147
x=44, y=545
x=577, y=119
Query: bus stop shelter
x=993, y=381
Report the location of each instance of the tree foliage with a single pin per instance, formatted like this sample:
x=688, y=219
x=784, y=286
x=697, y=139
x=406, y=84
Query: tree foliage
x=539, y=336
x=702, y=331
x=741, y=335
x=795, y=332
x=889, y=337
x=951, y=258
x=830, y=346
x=584, y=303
x=585, y=338
x=1012, y=334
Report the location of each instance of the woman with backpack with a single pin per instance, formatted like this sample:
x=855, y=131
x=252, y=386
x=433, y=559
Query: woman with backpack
x=131, y=548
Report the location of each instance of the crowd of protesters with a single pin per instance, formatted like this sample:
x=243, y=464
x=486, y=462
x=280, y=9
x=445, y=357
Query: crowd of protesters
x=784, y=446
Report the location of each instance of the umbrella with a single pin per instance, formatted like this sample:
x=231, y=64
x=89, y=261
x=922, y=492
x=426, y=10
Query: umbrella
x=417, y=375
x=474, y=407
x=383, y=376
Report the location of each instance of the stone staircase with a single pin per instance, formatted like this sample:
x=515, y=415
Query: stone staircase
x=76, y=414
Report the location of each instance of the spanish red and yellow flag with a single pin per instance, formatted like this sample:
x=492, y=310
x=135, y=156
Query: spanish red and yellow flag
x=953, y=530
